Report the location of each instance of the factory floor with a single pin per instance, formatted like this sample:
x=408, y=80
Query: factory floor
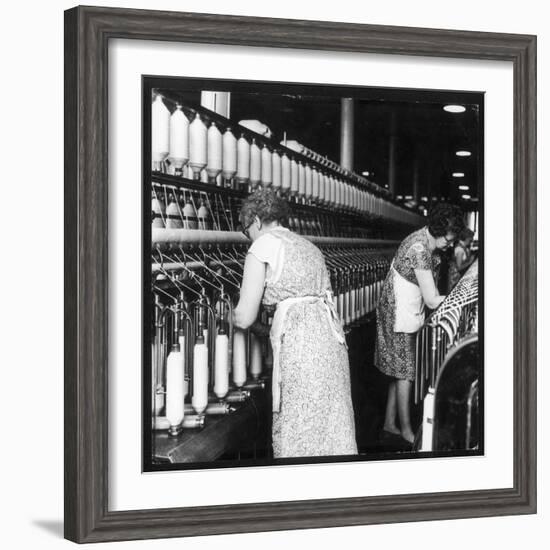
x=369, y=391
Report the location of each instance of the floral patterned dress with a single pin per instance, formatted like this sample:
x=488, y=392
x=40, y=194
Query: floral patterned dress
x=395, y=353
x=315, y=417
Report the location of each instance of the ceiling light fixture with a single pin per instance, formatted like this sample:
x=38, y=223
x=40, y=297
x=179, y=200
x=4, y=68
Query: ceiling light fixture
x=454, y=108
x=463, y=153
x=463, y=187
x=466, y=196
x=458, y=174
x=366, y=173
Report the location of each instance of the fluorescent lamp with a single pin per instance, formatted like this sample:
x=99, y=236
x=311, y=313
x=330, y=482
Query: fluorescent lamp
x=463, y=187
x=463, y=153
x=454, y=108
x=466, y=196
x=458, y=174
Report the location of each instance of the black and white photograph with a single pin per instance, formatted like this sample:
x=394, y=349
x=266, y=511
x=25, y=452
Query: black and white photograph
x=312, y=273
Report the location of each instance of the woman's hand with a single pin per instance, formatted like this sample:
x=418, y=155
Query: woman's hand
x=260, y=329
x=426, y=282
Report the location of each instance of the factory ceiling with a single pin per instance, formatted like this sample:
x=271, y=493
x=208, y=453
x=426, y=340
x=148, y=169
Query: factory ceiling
x=426, y=142
x=427, y=138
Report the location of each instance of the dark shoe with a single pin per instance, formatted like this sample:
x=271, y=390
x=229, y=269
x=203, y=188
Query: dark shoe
x=384, y=435
x=407, y=446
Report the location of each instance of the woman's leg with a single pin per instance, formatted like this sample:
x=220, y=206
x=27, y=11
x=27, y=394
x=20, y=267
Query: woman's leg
x=403, y=398
x=391, y=409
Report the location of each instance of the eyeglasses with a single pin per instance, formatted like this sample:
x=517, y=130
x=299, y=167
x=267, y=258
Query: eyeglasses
x=449, y=241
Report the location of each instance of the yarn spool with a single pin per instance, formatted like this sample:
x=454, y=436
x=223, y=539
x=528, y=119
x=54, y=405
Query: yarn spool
x=199, y=400
x=229, y=156
x=321, y=188
x=309, y=182
x=221, y=366
x=175, y=396
x=158, y=211
x=255, y=164
x=239, y=358
x=266, y=175
x=301, y=180
x=315, y=185
x=294, y=177
x=285, y=173
x=173, y=217
x=327, y=189
x=243, y=161
x=203, y=216
x=179, y=140
x=160, y=132
x=214, y=153
x=189, y=216
x=255, y=357
x=276, y=170
x=198, y=146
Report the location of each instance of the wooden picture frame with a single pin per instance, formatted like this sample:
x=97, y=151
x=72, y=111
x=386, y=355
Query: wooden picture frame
x=87, y=33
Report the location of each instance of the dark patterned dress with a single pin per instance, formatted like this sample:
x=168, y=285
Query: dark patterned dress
x=395, y=352
x=316, y=413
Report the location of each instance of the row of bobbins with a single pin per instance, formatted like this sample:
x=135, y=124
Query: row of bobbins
x=200, y=152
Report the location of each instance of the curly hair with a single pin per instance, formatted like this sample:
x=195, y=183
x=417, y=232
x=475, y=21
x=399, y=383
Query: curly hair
x=466, y=234
x=264, y=203
x=445, y=218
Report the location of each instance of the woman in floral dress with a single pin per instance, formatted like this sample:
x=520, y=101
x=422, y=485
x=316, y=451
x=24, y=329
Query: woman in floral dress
x=409, y=286
x=312, y=407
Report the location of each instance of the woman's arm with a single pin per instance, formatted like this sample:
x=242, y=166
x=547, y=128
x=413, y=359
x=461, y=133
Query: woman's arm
x=252, y=289
x=426, y=282
x=462, y=262
x=460, y=258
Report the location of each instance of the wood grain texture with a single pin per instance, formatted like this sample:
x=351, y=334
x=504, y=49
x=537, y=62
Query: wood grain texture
x=72, y=486
x=87, y=31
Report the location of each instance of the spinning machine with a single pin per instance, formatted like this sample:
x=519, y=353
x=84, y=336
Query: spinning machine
x=210, y=386
x=448, y=370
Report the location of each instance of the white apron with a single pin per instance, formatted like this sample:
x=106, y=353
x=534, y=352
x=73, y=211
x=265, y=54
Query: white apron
x=278, y=330
x=409, y=304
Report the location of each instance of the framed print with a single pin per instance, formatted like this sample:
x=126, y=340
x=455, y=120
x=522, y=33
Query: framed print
x=247, y=203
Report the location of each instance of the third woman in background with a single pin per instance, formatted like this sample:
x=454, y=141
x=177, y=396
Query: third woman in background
x=462, y=258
